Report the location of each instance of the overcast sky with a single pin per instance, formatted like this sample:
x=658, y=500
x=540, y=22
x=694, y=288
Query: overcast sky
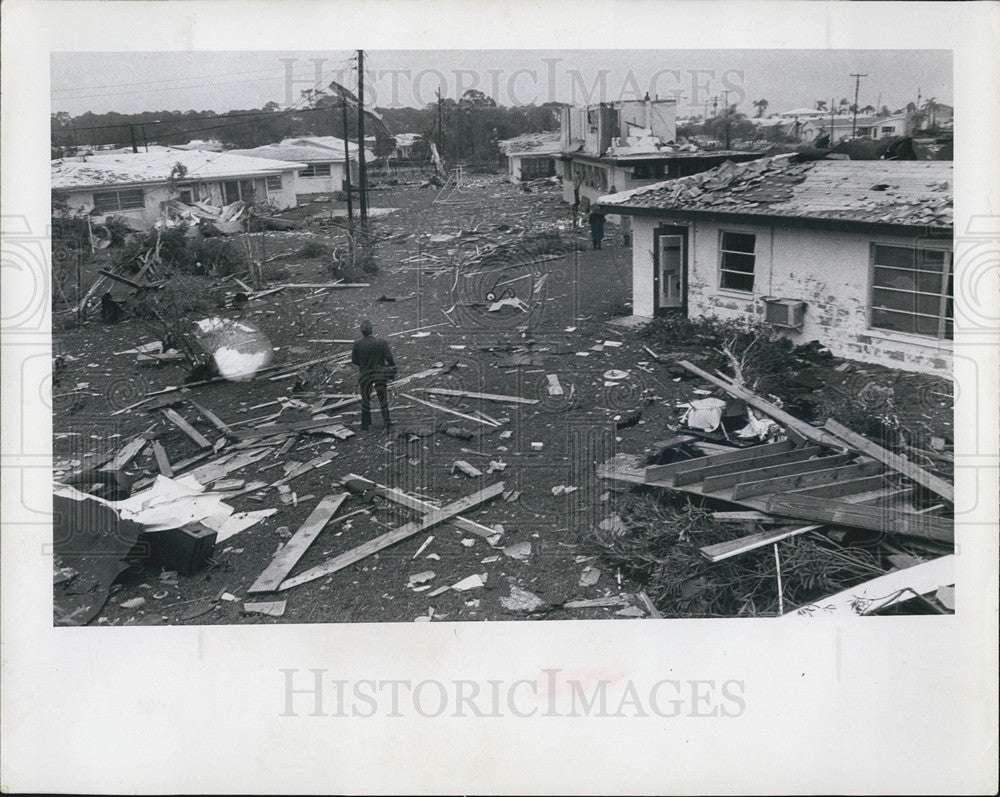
x=220, y=81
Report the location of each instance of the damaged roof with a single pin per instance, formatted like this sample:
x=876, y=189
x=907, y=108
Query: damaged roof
x=911, y=193
x=157, y=166
x=531, y=144
x=301, y=153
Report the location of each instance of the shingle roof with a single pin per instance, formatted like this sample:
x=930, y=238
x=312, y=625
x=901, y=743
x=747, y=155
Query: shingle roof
x=156, y=167
x=914, y=193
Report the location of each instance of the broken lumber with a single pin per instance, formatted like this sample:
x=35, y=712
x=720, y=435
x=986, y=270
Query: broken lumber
x=162, y=461
x=324, y=285
x=484, y=396
x=894, y=461
x=873, y=518
x=396, y=535
x=293, y=550
x=127, y=453
x=725, y=550
x=187, y=428
x=441, y=407
x=899, y=585
x=765, y=406
x=806, y=477
x=657, y=473
x=466, y=468
x=213, y=419
x=412, y=502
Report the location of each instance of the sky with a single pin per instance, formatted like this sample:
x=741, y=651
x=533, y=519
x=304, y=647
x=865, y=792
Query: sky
x=220, y=81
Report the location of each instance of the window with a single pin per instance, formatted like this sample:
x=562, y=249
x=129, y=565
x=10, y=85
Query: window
x=537, y=167
x=126, y=199
x=316, y=170
x=234, y=190
x=736, y=260
x=188, y=193
x=888, y=129
x=912, y=290
x=273, y=182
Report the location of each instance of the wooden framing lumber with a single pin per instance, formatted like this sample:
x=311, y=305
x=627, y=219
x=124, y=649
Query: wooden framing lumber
x=187, y=428
x=484, y=396
x=805, y=465
x=657, y=473
x=396, y=535
x=783, y=483
x=796, y=455
x=899, y=585
x=314, y=285
x=125, y=455
x=765, y=406
x=162, y=461
x=873, y=518
x=442, y=408
x=293, y=550
x=730, y=548
x=846, y=489
x=412, y=502
x=213, y=419
x=894, y=461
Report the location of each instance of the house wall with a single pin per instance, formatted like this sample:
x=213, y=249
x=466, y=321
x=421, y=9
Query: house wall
x=321, y=185
x=516, y=162
x=826, y=269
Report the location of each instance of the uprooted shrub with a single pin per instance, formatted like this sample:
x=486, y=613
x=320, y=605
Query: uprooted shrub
x=179, y=250
x=657, y=544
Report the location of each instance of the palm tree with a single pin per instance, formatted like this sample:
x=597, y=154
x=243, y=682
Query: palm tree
x=820, y=105
x=868, y=109
x=843, y=106
x=930, y=110
x=761, y=106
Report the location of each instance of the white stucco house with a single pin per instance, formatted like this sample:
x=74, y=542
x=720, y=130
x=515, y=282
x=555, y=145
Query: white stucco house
x=531, y=155
x=134, y=187
x=323, y=171
x=854, y=254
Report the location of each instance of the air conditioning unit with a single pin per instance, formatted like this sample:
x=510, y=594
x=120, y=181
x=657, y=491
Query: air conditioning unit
x=787, y=313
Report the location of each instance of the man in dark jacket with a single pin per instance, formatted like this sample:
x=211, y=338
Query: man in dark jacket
x=596, y=229
x=376, y=369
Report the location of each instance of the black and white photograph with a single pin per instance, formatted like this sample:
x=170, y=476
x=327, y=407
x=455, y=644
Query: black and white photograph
x=413, y=346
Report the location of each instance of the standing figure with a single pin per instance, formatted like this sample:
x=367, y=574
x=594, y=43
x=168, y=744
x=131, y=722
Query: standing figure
x=376, y=369
x=596, y=221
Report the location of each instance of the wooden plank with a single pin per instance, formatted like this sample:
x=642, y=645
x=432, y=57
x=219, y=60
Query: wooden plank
x=314, y=285
x=396, y=535
x=701, y=474
x=783, y=483
x=435, y=406
x=724, y=480
x=621, y=474
x=214, y=419
x=884, y=591
x=842, y=513
x=848, y=487
x=293, y=550
x=656, y=473
x=162, y=461
x=412, y=502
x=730, y=548
x=304, y=467
x=187, y=428
x=894, y=461
x=127, y=453
x=765, y=406
x=484, y=396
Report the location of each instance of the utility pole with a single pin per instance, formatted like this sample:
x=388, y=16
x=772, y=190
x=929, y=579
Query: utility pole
x=726, y=112
x=832, y=142
x=145, y=141
x=131, y=134
x=347, y=169
x=362, y=166
x=440, y=128
x=857, y=85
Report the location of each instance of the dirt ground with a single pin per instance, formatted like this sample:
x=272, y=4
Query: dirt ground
x=565, y=331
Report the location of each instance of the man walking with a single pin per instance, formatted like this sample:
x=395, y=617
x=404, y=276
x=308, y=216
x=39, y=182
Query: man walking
x=596, y=221
x=376, y=369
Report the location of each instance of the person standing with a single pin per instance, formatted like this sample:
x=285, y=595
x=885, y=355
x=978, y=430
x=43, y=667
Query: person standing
x=596, y=221
x=376, y=368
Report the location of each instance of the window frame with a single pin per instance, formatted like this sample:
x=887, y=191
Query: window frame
x=267, y=183
x=313, y=170
x=722, y=271
x=119, y=205
x=947, y=278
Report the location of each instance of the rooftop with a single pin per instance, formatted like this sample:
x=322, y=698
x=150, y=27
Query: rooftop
x=912, y=193
x=326, y=142
x=302, y=153
x=156, y=166
x=531, y=144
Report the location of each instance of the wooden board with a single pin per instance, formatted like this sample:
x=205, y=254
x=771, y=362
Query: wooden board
x=842, y=513
x=894, y=461
x=283, y=562
x=656, y=473
x=484, y=396
x=187, y=428
x=394, y=536
x=214, y=419
x=754, y=474
x=725, y=550
x=883, y=591
x=796, y=455
x=127, y=453
x=162, y=462
x=783, y=483
x=849, y=487
x=442, y=408
x=782, y=417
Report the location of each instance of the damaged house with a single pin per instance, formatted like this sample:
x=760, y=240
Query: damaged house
x=616, y=146
x=531, y=156
x=136, y=187
x=322, y=171
x=854, y=254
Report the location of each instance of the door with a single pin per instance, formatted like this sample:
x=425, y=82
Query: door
x=669, y=268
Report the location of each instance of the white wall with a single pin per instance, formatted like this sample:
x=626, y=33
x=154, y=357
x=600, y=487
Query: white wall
x=320, y=185
x=828, y=270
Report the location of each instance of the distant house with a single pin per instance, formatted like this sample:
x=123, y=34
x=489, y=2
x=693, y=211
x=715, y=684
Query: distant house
x=332, y=143
x=531, y=155
x=616, y=146
x=854, y=254
x=845, y=127
x=323, y=171
x=135, y=186
x=403, y=152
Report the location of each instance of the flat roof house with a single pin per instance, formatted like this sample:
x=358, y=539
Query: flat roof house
x=531, y=155
x=854, y=254
x=135, y=186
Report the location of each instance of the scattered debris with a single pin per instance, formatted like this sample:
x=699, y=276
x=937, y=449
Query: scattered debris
x=268, y=608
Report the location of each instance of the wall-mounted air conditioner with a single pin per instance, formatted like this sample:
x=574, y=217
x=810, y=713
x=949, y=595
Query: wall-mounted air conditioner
x=787, y=313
